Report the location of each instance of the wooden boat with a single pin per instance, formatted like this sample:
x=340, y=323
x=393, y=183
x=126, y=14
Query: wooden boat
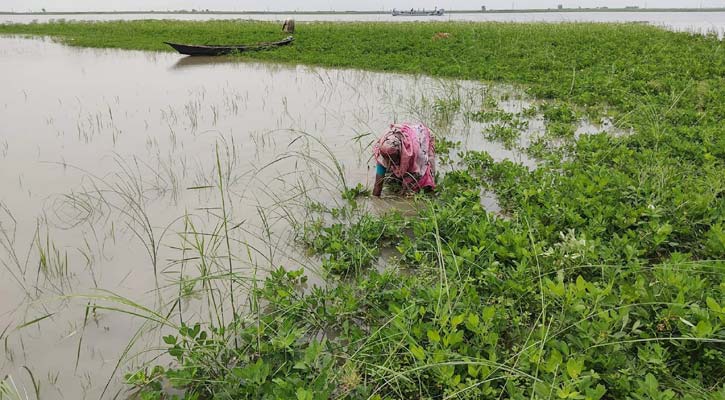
x=216, y=50
x=419, y=13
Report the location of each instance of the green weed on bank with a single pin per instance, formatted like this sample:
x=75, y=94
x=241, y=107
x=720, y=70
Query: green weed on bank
x=561, y=297
x=480, y=307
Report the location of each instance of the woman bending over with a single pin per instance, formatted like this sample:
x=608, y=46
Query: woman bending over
x=406, y=152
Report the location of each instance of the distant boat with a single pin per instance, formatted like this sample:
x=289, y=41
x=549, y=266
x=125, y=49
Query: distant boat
x=418, y=13
x=217, y=50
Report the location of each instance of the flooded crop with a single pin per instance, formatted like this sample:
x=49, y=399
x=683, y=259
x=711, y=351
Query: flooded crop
x=206, y=226
x=172, y=193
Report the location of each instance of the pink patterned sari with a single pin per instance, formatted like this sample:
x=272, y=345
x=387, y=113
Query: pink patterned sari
x=415, y=145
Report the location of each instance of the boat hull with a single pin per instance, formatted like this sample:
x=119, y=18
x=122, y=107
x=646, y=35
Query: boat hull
x=199, y=50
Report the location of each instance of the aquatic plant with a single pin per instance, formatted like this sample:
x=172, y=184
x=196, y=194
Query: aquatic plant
x=9, y=391
x=601, y=277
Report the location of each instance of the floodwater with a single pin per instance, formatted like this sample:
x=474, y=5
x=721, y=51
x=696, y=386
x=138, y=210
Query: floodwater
x=696, y=22
x=111, y=164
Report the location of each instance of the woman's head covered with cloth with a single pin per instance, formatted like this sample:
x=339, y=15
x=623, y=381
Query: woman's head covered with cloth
x=407, y=152
x=389, y=146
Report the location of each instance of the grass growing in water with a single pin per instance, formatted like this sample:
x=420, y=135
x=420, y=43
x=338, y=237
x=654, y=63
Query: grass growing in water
x=605, y=280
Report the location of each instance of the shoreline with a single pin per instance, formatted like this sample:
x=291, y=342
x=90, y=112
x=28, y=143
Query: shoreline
x=503, y=11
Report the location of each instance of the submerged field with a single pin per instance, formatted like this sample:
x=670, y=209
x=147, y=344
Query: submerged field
x=601, y=277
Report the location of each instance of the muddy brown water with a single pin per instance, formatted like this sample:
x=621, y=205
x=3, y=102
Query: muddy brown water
x=109, y=165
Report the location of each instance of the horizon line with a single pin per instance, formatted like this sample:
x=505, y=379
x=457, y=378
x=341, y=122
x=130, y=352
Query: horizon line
x=302, y=12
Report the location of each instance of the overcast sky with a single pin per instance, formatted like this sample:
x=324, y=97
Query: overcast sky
x=338, y=5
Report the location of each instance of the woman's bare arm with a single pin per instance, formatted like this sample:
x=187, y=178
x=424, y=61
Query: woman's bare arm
x=378, y=188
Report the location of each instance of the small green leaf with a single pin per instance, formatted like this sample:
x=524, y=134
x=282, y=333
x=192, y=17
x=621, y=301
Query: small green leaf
x=703, y=328
x=453, y=338
x=312, y=352
x=557, y=289
x=176, y=352
x=457, y=320
x=195, y=331
x=574, y=367
x=554, y=361
x=596, y=393
x=433, y=336
x=542, y=390
x=417, y=352
x=664, y=230
x=488, y=313
x=713, y=305
x=651, y=384
x=304, y=394
x=472, y=322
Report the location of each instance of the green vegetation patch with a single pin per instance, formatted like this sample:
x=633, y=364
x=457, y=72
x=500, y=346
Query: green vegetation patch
x=602, y=277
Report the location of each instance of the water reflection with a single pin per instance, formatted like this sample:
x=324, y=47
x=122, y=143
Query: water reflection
x=210, y=62
x=201, y=61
